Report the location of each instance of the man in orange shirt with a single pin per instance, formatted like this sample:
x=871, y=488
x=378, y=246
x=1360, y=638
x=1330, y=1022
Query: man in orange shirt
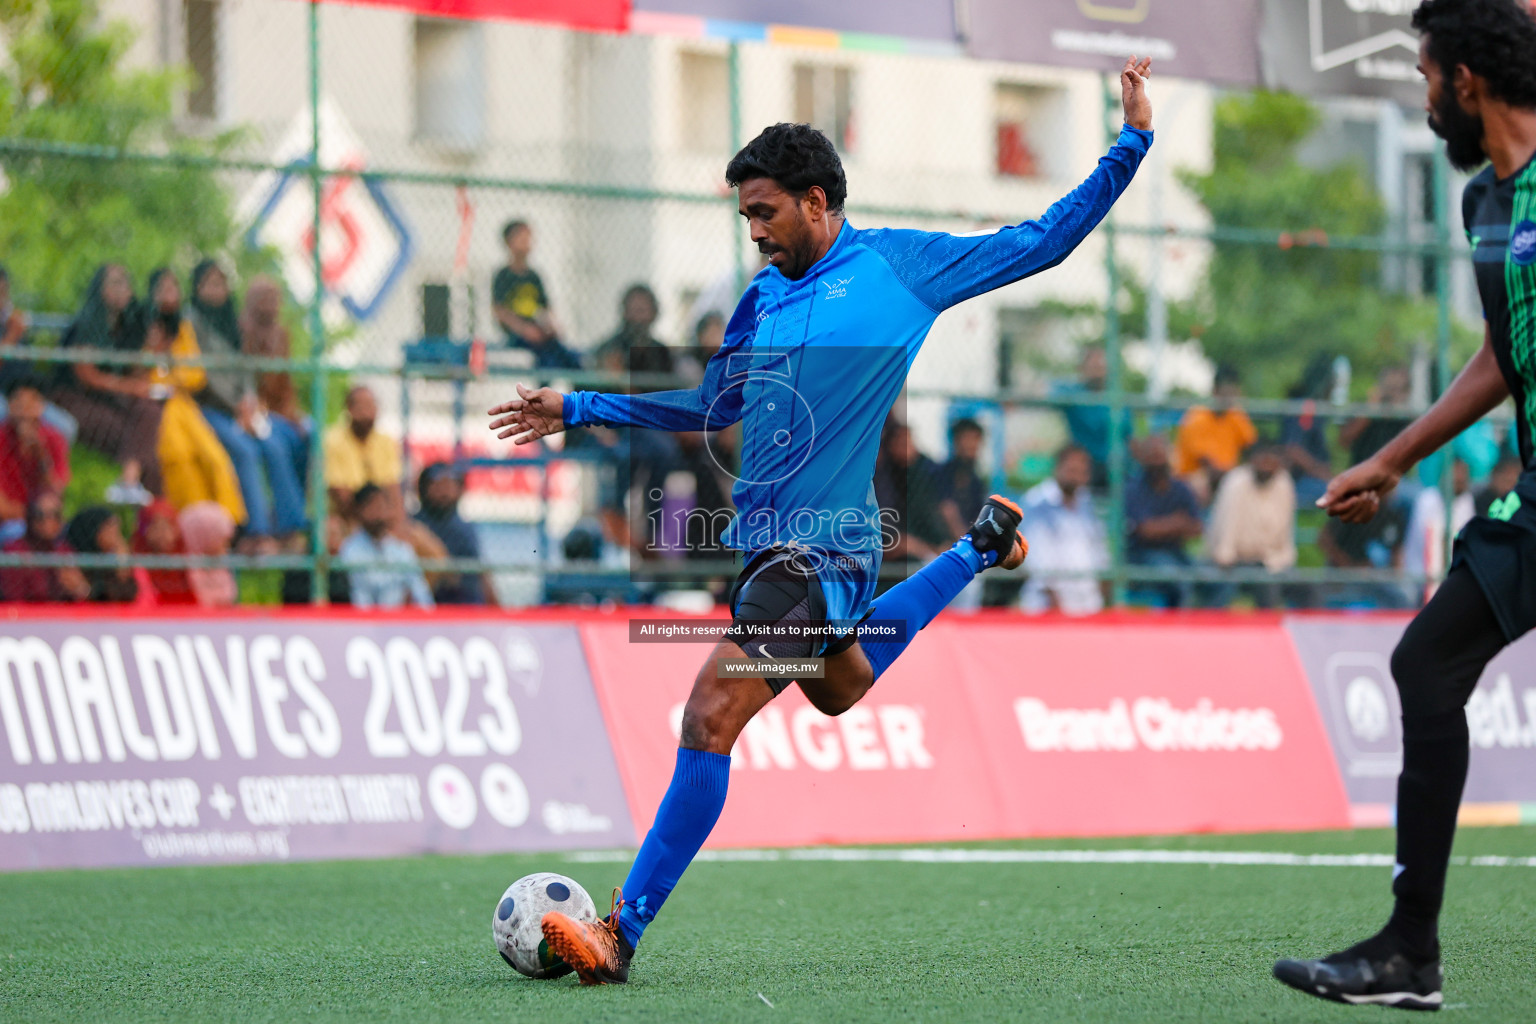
x=1211, y=441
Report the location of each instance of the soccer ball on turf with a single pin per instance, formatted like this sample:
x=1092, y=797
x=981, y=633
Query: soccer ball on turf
x=515, y=924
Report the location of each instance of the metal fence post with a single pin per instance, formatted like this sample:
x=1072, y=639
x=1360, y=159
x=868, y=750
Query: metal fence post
x=1442, y=257
x=319, y=587
x=1112, y=355
x=736, y=144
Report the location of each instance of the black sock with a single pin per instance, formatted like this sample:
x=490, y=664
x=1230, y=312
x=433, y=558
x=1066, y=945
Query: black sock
x=1435, y=753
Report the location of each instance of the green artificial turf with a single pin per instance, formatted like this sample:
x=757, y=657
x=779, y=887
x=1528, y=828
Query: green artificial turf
x=411, y=940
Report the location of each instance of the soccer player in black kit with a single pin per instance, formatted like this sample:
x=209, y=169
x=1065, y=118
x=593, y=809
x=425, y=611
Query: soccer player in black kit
x=1479, y=60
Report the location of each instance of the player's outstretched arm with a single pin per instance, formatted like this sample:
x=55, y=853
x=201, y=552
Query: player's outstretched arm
x=942, y=270
x=1355, y=494
x=535, y=414
x=713, y=405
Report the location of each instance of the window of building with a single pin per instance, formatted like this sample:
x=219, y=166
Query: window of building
x=450, y=83
x=824, y=98
x=1423, y=277
x=1036, y=344
x=200, y=33
x=704, y=95
x=1026, y=116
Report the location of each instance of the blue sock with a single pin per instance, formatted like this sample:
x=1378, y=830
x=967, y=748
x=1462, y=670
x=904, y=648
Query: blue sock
x=918, y=599
x=683, y=821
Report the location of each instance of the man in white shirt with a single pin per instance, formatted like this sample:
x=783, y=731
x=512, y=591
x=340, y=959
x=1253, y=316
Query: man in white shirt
x=1253, y=521
x=1067, y=540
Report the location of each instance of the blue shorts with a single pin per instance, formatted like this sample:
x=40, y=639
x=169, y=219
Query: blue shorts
x=819, y=598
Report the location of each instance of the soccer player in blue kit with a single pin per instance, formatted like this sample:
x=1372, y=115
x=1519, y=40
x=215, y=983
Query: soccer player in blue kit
x=814, y=357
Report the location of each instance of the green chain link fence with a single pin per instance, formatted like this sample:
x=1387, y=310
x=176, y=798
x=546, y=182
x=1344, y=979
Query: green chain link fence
x=244, y=131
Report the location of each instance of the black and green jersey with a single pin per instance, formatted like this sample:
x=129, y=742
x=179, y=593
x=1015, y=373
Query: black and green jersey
x=1500, y=217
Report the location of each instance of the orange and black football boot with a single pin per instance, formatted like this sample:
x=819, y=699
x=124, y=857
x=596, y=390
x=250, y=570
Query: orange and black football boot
x=595, y=949
x=995, y=533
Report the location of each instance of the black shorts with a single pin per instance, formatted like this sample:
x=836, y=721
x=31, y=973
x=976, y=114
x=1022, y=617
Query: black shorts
x=1500, y=551
x=777, y=589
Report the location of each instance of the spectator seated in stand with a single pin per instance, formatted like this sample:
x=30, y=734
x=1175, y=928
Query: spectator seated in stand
x=95, y=530
x=521, y=305
x=159, y=533
x=439, y=489
x=1089, y=424
x=1253, y=524
x=1423, y=557
x=1365, y=435
x=958, y=485
x=957, y=481
x=115, y=405
x=1377, y=544
x=44, y=536
x=34, y=457
x=358, y=454
x=1063, y=526
x=13, y=322
x=13, y=331
x=652, y=454
x=632, y=347
x=195, y=466
x=383, y=569
x=298, y=584
x=906, y=488
x=262, y=334
x=1304, y=436
x=207, y=531
x=1161, y=516
x=265, y=450
x=708, y=336
x=1211, y=440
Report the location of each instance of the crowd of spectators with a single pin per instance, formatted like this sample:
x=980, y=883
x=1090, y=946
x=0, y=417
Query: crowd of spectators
x=214, y=460
x=1209, y=490
x=1220, y=491
x=209, y=461
x=660, y=496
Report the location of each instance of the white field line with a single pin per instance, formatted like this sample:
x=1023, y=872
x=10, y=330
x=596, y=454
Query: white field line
x=856, y=855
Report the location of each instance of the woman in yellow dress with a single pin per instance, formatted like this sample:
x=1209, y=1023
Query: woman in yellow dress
x=193, y=463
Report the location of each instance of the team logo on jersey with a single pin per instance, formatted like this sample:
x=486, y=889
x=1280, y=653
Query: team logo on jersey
x=1505, y=508
x=1522, y=243
x=839, y=288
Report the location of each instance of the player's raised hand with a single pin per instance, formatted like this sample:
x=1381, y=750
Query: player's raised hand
x=1355, y=495
x=529, y=416
x=1133, y=92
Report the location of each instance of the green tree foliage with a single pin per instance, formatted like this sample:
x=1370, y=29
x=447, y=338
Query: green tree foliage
x=65, y=83
x=1270, y=308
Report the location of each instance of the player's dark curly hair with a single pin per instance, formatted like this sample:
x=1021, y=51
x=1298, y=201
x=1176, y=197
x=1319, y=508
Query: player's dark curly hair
x=1495, y=39
x=796, y=156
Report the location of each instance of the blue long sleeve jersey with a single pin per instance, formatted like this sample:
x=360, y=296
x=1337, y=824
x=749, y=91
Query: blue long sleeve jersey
x=811, y=367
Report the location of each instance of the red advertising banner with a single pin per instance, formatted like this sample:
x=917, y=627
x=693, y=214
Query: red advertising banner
x=1120, y=727
x=903, y=765
x=146, y=740
x=998, y=726
x=601, y=15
